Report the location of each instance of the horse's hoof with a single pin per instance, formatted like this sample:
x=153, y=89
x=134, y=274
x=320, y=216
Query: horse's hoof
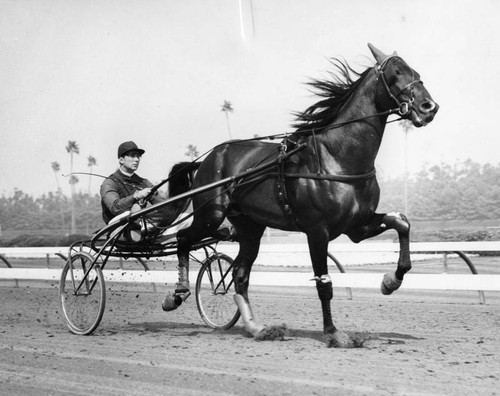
x=390, y=283
x=341, y=339
x=272, y=333
x=173, y=300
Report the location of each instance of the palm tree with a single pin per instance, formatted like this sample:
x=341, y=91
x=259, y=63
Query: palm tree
x=56, y=168
x=227, y=108
x=407, y=127
x=192, y=152
x=91, y=163
x=72, y=148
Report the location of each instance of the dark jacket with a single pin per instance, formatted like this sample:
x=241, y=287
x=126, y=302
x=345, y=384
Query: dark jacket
x=117, y=194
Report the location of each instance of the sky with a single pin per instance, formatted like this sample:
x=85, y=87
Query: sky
x=157, y=72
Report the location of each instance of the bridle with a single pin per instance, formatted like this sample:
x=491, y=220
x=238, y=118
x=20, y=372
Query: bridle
x=404, y=106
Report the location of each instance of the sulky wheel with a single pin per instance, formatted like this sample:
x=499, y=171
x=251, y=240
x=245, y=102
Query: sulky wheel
x=214, y=292
x=82, y=293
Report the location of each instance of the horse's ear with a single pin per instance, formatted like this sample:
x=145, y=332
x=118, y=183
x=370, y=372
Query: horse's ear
x=378, y=55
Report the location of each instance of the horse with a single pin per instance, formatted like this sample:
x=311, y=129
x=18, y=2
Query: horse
x=326, y=189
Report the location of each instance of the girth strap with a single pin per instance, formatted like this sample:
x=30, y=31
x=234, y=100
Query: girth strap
x=282, y=192
x=335, y=178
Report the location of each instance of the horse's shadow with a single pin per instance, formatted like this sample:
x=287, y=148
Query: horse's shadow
x=156, y=327
x=192, y=329
x=361, y=338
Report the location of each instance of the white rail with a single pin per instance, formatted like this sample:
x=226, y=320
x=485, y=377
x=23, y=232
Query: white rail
x=426, y=247
x=373, y=247
x=269, y=278
x=482, y=282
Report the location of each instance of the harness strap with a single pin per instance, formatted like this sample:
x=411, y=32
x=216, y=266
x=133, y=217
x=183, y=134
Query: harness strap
x=282, y=193
x=333, y=178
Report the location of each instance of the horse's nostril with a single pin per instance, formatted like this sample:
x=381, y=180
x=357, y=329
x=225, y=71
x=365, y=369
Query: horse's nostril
x=428, y=106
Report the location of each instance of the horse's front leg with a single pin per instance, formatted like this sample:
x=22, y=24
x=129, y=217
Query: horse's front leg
x=318, y=249
x=249, y=235
x=378, y=224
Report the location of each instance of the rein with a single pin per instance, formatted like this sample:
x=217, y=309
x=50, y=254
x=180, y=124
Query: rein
x=402, y=108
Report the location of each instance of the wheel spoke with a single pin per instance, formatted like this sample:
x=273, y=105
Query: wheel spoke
x=214, y=289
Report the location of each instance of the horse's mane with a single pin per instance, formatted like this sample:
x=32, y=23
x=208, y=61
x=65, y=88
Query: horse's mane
x=336, y=90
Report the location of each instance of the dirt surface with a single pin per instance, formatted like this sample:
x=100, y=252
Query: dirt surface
x=417, y=343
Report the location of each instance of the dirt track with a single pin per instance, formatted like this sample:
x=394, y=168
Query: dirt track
x=420, y=343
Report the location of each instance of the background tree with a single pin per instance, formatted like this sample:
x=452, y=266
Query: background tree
x=407, y=127
x=91, y=163
x=192, y=152
x=72, y=148
x=227, y=108
x=462, y=197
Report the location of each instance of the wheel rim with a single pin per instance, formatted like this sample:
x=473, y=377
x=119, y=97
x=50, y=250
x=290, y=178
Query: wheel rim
x=82, y=298
x=214, y=293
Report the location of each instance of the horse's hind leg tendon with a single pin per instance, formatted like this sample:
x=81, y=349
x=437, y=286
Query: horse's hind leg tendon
x=378, y=224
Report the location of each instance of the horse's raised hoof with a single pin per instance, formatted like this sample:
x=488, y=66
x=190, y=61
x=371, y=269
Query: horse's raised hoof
x=341, y=339
x=390, y=283
x=272, y=333
x=172, y=301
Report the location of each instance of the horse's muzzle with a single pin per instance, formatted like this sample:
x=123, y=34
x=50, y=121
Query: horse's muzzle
x=425, y=113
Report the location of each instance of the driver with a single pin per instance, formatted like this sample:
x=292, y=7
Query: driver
x=125, y=188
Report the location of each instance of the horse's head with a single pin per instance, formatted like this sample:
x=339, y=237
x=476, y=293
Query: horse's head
x=400, y=85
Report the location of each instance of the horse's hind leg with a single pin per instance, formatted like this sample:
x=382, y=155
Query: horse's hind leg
x=174, y=299
x=378, y=224
x=204, y=225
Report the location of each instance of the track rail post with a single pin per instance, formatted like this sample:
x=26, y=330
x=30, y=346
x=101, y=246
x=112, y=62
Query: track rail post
x=342, y=270
x=463, y=256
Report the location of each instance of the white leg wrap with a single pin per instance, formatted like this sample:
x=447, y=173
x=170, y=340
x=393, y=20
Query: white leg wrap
x=251, y=326
x=323, y=279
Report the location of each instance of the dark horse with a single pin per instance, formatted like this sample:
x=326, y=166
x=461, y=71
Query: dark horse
x=326, y=189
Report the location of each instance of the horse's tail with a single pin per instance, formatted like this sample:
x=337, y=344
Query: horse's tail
x=181, y=177
x=180, y=180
